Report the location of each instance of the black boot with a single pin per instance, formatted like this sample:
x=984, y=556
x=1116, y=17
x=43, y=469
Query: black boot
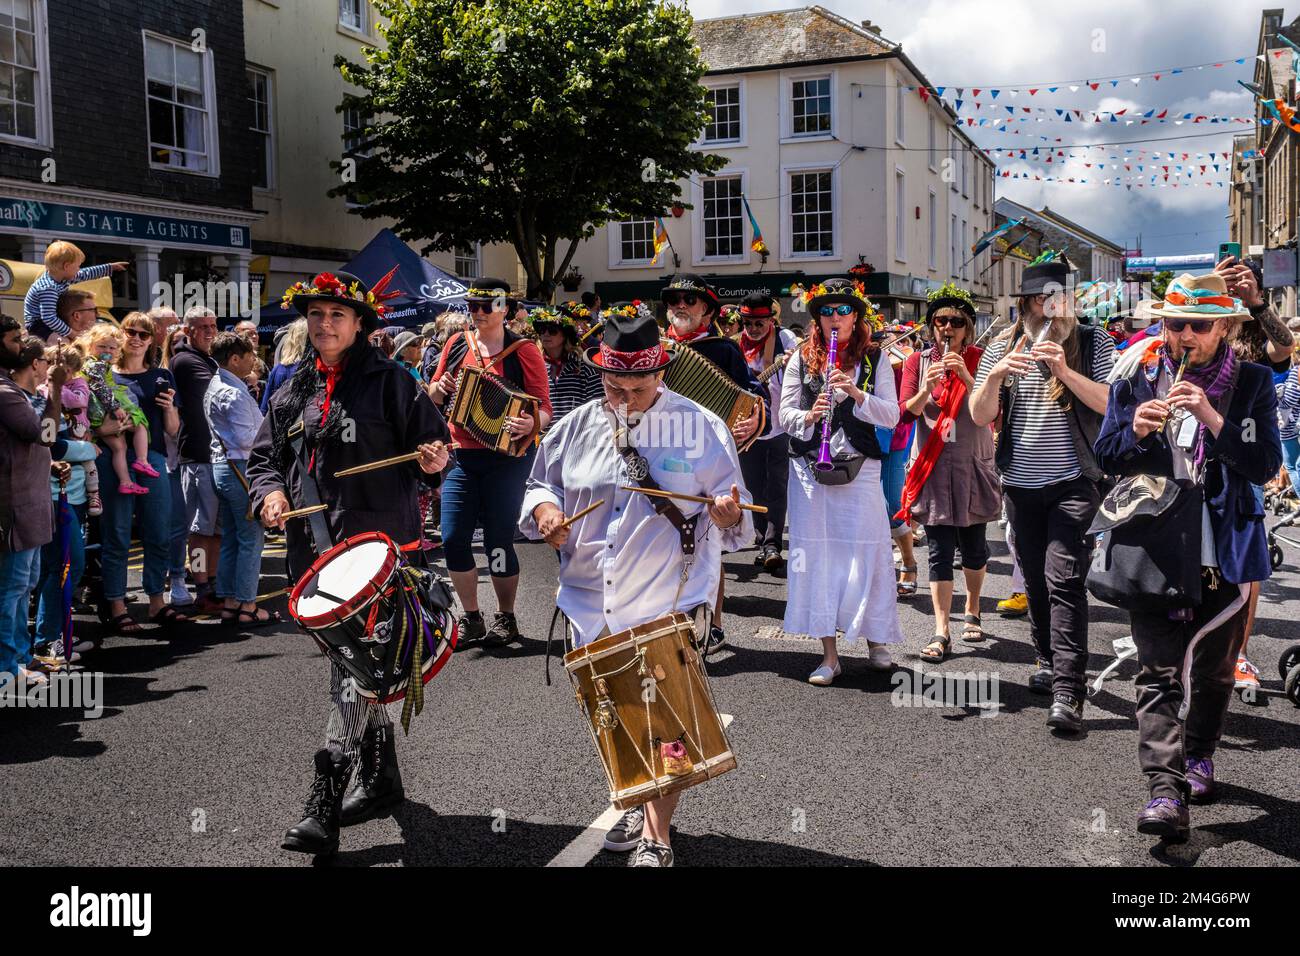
x=318, y=831
x=377, y=788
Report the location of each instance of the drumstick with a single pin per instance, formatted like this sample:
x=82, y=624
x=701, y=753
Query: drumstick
x=383, y=463
x=301, y=512
x=581, y=514
x=659, y=493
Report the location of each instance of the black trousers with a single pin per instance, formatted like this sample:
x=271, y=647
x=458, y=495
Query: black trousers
x=766, y=469
x=944, y=540
x=1051, y=529
x=1186, y=682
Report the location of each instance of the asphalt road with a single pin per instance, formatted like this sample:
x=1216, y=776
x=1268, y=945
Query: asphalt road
x=202, y=755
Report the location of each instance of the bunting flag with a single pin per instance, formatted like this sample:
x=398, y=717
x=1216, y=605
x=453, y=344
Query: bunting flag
x=757, y=244
x=1283, y=112
x=986, y=240
x=661, y=239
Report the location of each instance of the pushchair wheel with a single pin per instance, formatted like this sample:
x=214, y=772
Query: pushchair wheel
x=1292, y=685
x=1275, y=556
x=1289, y=660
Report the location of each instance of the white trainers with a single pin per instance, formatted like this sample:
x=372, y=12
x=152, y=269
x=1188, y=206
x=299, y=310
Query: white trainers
x=626, y=834
x=650, y=853
x=180, y=594
x=824, y=676
x=878, y=659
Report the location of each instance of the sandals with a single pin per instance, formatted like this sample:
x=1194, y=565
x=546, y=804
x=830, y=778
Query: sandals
x=938, y=649
x=168, y=615
x=971, y=630
x=124, y=623
x=251, y=619
x=907, y=588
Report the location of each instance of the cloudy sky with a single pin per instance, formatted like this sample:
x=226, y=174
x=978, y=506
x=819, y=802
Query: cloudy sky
x=1026, y=42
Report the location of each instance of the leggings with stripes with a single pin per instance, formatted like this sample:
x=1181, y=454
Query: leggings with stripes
x=351, y=715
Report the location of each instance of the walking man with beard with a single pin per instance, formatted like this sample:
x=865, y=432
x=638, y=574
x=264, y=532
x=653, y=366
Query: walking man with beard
x=1046, y=378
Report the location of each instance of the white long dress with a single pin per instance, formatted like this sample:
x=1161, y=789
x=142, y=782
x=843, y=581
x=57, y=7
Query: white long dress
x=841, y=570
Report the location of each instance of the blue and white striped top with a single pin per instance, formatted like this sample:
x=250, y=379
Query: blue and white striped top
x=1288, y=405
x=40, y=305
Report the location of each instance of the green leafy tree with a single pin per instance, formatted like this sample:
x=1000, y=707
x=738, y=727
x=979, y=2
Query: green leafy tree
x=1160, y=282
x=530, y=122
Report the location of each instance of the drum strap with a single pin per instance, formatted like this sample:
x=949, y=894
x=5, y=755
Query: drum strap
x=320, y=531
x=638, y=472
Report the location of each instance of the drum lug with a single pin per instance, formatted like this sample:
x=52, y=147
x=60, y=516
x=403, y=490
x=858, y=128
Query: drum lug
x=606, y=713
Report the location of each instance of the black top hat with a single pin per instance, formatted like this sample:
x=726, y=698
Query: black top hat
x=1053, y=276
x=345, y=289
x=758, y=305
x=689, y=282
x=838, y=292
x=485, y=289
x=631, y=344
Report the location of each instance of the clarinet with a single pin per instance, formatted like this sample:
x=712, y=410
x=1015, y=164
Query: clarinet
x=824, y=462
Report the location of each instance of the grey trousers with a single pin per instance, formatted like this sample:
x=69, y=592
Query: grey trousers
x=1185, y=684
x=351, y=715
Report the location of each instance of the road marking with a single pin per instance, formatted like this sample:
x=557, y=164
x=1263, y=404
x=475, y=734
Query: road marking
x=584, y=847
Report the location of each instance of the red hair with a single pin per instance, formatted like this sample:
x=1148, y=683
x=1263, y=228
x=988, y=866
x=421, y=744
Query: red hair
x=814, y=348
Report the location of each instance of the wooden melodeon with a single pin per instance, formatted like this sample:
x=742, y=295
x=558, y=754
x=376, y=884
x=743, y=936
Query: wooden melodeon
x=646, y=699
x=482, y=404
x=693, y=376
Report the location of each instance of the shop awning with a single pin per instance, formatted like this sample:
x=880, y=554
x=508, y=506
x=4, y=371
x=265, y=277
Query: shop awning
x=17, y=277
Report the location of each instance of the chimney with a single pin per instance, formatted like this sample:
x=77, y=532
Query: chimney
x=868, y=25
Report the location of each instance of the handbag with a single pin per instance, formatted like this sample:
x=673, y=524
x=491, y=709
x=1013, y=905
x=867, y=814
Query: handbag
x=1147, y=554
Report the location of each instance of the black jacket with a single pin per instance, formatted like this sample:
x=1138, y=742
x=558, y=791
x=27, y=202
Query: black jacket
x=726, y=355
x=390, y=415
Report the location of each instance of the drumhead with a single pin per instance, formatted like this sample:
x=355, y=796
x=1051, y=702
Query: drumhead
x=343, y=577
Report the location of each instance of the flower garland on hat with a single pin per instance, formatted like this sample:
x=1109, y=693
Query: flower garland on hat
x=327, y=283
x=857, y=290
x=949, y=290
x=576, y=310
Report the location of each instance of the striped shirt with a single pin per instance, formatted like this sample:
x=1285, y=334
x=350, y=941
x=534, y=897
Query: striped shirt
x=573, y=383
x=1288, y=405
x=1042, y=449
x=41, y=304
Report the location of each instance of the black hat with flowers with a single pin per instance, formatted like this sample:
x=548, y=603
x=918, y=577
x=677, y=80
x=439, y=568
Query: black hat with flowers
x=949, y=296
x=689, y=282
x=342, y=288
x=486, y=289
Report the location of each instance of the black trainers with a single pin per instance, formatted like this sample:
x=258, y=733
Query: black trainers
x=626, y=834
x=504, y=629
x=1066, y=714
x=1040, y=682
x=471, y=629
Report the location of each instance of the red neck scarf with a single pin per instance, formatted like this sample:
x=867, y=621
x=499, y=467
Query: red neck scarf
x=949, y=396
x=331, y=373
x=689, y=337
x=754, y=347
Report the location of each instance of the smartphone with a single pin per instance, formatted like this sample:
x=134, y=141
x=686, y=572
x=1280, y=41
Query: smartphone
x=1229, y=249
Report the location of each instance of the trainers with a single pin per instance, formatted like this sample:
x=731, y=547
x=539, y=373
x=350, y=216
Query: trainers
x=1200, y=780
x=471, y=629
x=94, y=504
x=180, y=595
x=1040, y=682
x=1015, y=606
x=504, y=629
x=626, y=834
x=651, y=853
x=1246, y=675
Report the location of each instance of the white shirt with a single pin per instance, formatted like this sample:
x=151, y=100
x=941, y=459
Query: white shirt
x=623, y=562
x=790, y=344
x=233, y=416
x=878, y=407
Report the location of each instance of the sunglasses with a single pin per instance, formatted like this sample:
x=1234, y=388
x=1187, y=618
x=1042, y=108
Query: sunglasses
x=1199, y=326
x=836, y=310
x=678, y=298
x=139, y=333
x=546, y=328
x=484, y=307
x=952, y=321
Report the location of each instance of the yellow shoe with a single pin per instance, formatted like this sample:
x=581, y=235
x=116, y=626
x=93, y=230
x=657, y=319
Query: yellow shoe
x=1014, y=606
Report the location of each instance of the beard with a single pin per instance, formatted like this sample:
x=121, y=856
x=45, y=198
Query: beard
x=8, y=360
x=684, y=323
x=1062, y=328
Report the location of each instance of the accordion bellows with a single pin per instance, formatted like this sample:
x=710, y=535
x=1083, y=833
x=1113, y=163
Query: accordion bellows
x=693, y=376
x=483, y=403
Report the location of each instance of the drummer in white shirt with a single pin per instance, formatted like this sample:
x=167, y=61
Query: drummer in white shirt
x=624, y=564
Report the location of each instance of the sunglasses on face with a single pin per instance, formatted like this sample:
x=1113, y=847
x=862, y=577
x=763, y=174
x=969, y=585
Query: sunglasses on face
x=680, y=298
x=140, y=333
x=835, y=310
x=952, y=321
x=1199, y=326
x=547, y=328
x=484, y=307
